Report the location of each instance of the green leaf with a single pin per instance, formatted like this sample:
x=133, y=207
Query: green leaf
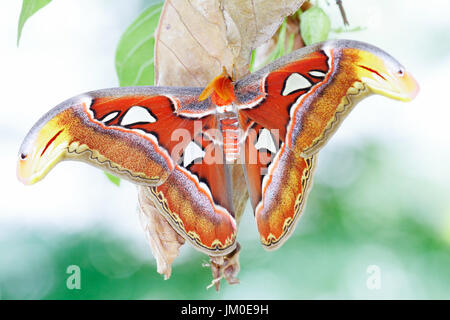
x=29, y=7
x=134, y=54
x=113, y=179
x=314, y=25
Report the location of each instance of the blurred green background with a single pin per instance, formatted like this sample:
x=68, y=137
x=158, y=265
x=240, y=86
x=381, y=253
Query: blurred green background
x=380, y=195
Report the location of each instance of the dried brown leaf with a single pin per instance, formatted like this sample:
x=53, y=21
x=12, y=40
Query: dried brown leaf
x=191, y=43
x=196, y=38
x=257, y=21
x=164, y=241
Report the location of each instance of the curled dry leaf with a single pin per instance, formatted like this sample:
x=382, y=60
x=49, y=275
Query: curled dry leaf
x=196, y=38
x=191, y=43
x=164, y=241
x=257, y=21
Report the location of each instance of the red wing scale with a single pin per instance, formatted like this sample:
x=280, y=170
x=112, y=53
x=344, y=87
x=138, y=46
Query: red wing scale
x=179, y=141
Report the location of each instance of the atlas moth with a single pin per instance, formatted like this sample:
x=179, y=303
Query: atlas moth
x=180, y=141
